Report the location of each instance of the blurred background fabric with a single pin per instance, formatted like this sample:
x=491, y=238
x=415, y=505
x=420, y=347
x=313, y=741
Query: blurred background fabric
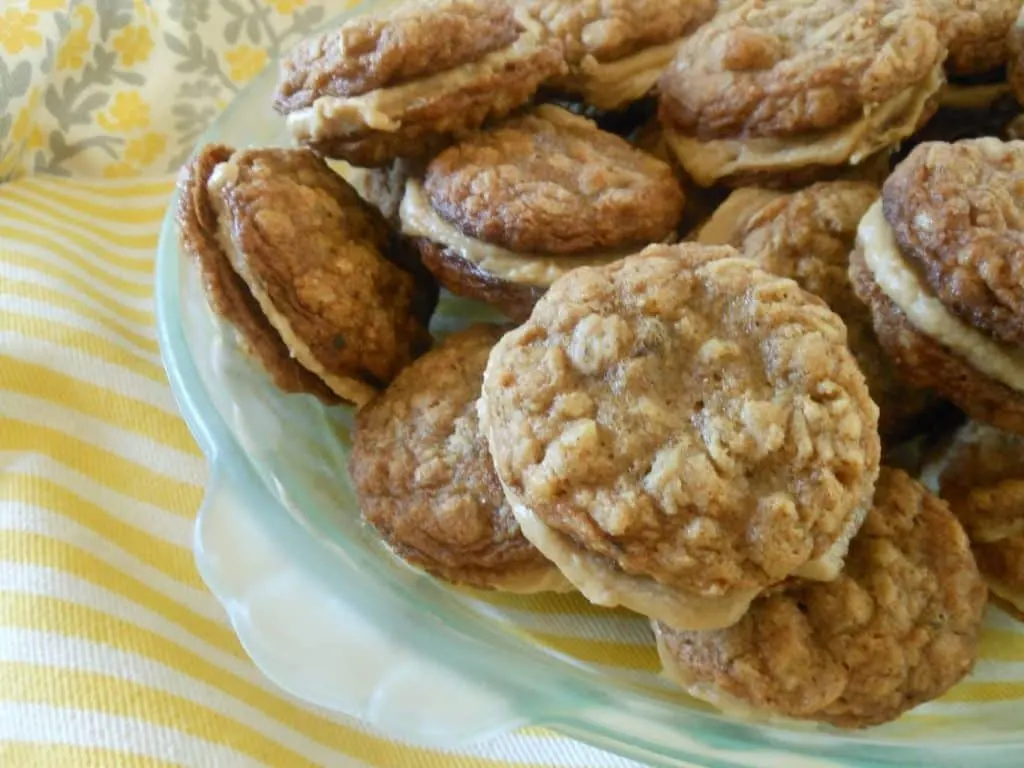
x=112, y=652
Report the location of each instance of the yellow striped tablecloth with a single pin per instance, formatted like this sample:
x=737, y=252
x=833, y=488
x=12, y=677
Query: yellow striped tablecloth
x=112, y=653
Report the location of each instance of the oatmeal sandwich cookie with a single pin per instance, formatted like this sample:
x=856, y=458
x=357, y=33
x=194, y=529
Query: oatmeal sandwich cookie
x=503, y=214
x=807, y=236
x=680, y=430
x=425, y=479
x=317, y=261
x=899, y=627
x=404, y=82
x=940, y=261
x=617, y=49
x=786, y=92
x=226, y=292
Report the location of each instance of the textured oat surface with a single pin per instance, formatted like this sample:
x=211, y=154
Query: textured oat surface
x=305, y=241
x=982, y=478
x=975, y=32
x=796, y=66
x=958, y=214
x=686, y=416
x=225, y=290
x=424, y=475
x=807, y=236
x=609, y=30
x=370, y=52
x=897, y=628
x=552, y=182
x=927, y=364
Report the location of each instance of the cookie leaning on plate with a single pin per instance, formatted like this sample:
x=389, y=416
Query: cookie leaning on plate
x=680, y=430
x=981, y=474
x=504, y=213
x=320, y=264
x=940, y=261
x=425, y=479
x=807, y=236
x=403, y=83
x=898, y=627
x=790, y=91
x=226, y=292
x=617, y=49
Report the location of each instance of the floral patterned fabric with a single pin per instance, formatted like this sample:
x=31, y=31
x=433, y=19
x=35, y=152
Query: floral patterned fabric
x=122, y=88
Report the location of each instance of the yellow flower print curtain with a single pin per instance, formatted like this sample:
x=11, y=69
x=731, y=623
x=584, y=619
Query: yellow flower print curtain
x=123, y=88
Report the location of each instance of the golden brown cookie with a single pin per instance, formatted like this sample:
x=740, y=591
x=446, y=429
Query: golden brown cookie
x=425, y=478
x=226, y=292
x=1002, y=564
x=807, y=236
x=899, y=627
x=315, y=258
x=957, y=211
x=680, y=430
x=507, y=211
x=927, y=363
x=404, y=81
x=787, y=91
x=981, y=474
x=617, y=49
x=939, y=262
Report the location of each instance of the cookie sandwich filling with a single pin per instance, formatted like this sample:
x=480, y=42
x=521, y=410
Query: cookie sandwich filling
x=384, y=109
x=419, y=219
x=907, y=290
x=614, y=84
x=602, y=582
x=881, y=126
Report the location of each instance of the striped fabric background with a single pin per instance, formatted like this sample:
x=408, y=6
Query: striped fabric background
x=112, y=653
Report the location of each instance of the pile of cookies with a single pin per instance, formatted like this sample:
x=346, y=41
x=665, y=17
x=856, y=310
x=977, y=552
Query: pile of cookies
x=744, y=265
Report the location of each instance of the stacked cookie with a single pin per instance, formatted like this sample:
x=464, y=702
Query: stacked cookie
x=696, y=430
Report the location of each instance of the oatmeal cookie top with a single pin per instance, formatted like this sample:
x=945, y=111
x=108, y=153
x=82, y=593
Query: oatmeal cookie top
x=797, y=66
x=687, y=415
x=549, y=181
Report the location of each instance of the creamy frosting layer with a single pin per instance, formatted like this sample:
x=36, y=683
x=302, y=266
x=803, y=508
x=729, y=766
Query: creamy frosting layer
x=907, y=290
x=604, y=584
x=614, y=84
x=955, y=96
x=881, y=126
x=419, y=219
